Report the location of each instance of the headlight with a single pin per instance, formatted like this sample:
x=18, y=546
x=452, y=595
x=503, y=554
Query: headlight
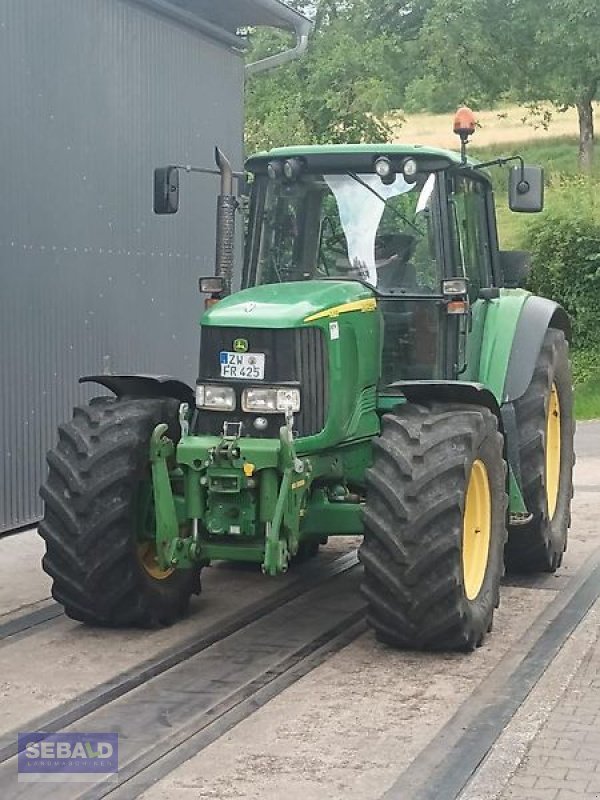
x=215, y=398
x=271, y=401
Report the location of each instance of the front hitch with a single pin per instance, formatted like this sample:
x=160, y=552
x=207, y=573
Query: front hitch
x=294, y=485
x=171, y=549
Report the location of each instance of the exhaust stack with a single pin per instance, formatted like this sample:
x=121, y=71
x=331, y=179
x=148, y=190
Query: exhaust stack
x=226, y=207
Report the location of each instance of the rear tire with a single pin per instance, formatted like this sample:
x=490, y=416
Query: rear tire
x=538, y=546
x=96, y=472
x=418, y=582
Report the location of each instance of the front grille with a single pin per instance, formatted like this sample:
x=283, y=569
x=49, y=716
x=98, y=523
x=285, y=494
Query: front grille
x=311, y=368
x=292, y=356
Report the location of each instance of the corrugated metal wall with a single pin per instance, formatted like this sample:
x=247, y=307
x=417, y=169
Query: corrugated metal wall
x=93, y=95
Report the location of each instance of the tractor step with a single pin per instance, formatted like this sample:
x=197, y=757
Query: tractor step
x=519, y=518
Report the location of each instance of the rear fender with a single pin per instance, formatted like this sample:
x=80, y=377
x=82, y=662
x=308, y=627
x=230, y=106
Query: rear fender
x=514, y=331
x=125, y=386
x=537, y=316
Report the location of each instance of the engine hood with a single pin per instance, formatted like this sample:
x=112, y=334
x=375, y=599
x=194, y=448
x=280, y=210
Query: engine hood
x=286, y=305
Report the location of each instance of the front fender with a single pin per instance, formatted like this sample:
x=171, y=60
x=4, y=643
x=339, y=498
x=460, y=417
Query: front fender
x=143, y=386
x=449, y=392
x=479, y=395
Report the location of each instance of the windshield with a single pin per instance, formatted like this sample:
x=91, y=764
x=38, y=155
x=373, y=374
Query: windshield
x=347, y=226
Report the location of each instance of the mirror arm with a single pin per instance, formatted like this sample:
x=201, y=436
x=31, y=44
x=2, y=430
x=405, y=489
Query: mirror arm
x=523, y=185
x=207, y=170
x=501, y=162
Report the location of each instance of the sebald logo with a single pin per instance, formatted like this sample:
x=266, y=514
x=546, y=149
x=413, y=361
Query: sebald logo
x=82, y=749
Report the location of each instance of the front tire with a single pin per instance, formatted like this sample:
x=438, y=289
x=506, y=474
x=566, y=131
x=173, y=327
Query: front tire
x=546, y=429
x=103, y=569
x=435, y=527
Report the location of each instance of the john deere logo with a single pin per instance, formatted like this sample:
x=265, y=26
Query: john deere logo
x=240, y=346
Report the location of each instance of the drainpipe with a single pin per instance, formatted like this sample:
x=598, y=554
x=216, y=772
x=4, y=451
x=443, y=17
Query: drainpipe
x=302, y=28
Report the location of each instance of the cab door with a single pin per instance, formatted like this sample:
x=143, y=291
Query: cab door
x=469, y=200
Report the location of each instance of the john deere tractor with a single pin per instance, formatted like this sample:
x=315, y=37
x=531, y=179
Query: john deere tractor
x=381, y=373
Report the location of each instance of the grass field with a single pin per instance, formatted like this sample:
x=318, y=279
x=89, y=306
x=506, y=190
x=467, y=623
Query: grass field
x=587, y=399
x=505, y=125
x=586, y=374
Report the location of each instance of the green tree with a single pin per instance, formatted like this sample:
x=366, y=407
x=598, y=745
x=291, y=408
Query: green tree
x=343, y=89
x=568, y=38
x=538, y=51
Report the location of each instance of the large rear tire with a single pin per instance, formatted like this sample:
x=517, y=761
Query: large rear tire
x=435, y=527
x=546, y=429
x=104, y=571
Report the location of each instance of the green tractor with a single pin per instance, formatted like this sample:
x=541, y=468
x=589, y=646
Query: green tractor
x=379, y=373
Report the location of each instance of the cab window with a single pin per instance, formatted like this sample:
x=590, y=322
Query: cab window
x=470, y=234
x=348, y=226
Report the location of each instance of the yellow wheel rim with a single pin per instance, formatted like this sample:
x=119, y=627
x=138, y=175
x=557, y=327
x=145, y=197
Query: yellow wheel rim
x=147, y=556
x=477, y=526
x=553, y=450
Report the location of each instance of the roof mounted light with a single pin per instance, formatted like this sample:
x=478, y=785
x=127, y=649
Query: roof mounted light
x=410, y=170
x=464, y=122
x=292, y=169
x=274, y=170
x=383, y=168
x=464, y=127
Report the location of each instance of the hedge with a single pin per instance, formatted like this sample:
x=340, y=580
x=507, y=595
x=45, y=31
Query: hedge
x=565, y=249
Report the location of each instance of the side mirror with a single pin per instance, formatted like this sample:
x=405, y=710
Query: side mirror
x=526, y=189
x=166, y=190
x=515, y=266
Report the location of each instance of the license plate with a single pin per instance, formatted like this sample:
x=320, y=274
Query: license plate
x=246, y=366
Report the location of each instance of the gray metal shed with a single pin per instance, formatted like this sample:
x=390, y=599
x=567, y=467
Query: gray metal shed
x=94, y=95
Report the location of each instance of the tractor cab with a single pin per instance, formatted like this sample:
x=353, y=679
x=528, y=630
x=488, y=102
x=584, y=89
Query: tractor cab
x=415, y=225
x=357, y=214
